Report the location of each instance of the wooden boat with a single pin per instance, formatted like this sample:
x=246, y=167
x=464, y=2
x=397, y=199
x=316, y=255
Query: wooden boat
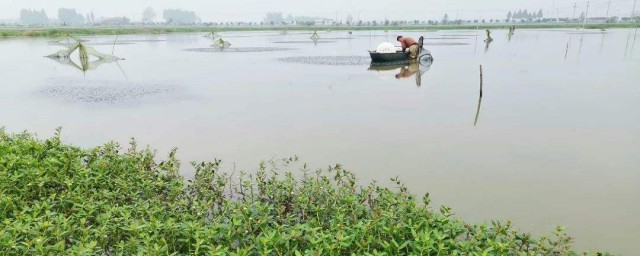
x=399, y=56
x=389, y=57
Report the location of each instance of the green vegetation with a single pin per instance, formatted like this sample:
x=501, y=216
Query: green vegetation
x=60, y=31
x=57, y=199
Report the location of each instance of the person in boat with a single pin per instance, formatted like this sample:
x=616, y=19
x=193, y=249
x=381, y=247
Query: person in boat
x=411, y=44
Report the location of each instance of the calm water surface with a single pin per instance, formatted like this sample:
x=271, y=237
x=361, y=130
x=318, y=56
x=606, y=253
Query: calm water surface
x=556, y=141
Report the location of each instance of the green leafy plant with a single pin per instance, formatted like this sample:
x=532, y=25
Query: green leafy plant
x=58, y=199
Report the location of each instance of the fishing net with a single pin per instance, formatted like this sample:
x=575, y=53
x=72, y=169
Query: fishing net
x=315, y=36
x=386, y=48
x=221, y=44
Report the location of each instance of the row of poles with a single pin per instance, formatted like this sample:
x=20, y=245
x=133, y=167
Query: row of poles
x=586, y=13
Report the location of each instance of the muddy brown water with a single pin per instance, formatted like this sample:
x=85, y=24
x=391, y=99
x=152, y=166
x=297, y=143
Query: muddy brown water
x=556, y=142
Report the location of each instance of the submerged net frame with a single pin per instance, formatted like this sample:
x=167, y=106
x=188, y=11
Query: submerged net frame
x=84, y=51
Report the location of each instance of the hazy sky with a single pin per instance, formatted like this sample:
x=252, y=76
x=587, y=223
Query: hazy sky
x=254, y=10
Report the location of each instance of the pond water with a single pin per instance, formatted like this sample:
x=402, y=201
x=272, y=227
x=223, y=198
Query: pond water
x=555, y=141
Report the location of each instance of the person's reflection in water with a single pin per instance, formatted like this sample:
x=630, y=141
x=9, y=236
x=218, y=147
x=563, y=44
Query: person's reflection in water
x=409, y=71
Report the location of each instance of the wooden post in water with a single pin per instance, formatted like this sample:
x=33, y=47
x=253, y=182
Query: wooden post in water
x=475, y=122
x=480, y=80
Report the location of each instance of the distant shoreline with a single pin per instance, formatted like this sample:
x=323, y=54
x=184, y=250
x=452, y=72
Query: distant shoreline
x=84, y=31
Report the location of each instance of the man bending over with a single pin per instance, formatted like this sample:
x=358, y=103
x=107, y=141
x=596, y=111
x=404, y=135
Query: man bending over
x=411, y=44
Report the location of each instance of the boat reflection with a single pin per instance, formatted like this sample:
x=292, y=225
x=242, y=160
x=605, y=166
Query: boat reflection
x=403, y=70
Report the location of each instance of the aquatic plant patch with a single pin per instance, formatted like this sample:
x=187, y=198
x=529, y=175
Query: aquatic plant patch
x=59, y=199
x=105, y=92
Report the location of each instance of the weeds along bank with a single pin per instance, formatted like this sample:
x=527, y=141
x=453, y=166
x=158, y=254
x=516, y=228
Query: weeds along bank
x=84, y=31
x=58, y=199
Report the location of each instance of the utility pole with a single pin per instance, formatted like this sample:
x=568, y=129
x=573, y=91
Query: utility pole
x=575, y=5
x=586, y=14
x=633, y=11
x=555, y=9
x=608, y=7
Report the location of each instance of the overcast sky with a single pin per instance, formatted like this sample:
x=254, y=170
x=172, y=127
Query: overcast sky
x=254, y=10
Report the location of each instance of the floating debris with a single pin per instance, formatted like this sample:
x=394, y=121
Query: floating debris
x=329, y=60
x=105, y=92
x=244, y=49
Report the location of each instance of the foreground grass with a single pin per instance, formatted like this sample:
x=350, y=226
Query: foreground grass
x=57, y=199
x=84, y=31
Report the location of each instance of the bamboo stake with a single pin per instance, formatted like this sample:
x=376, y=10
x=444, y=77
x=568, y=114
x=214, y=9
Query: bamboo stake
x=480, y=80
x=475, y=122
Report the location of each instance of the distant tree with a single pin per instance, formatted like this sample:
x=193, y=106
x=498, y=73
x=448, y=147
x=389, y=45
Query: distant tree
x=509, y=16
x=273, y=18
x=475, y=21
x=148, y=15
x=540, y=14
x=386, y=22
x=349, y=20
x=179, y=16
x=70, y=17
x=117, y=21
x=445, y=19
x=374, y=23
x=582, y=16
x=360, y=23
x=93, y=18
x=33, y=17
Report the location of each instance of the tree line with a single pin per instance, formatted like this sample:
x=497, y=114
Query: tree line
x=525, y=15
x=71, y=17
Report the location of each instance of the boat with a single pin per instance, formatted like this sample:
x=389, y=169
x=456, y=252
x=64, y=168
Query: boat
x=399, y=56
